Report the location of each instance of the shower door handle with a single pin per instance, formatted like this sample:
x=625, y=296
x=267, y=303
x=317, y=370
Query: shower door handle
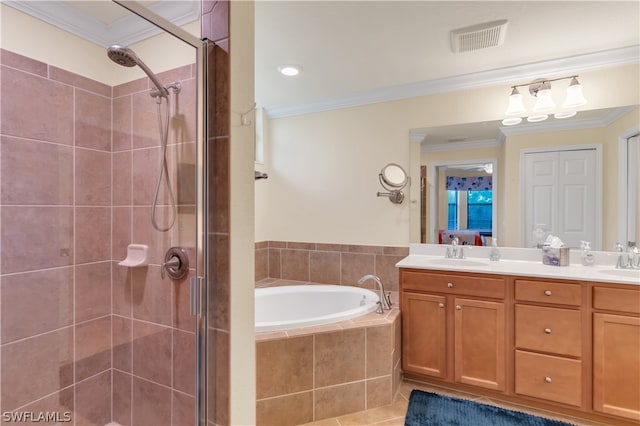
x=195, y=295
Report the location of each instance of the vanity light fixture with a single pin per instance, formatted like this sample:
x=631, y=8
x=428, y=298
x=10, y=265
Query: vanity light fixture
x=541, y=90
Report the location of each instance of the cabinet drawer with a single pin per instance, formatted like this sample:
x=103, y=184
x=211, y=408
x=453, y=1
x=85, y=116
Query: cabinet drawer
x=548, y=292
x=552, y=330
x=476, y=285
x=549, y=377
x=617, y=299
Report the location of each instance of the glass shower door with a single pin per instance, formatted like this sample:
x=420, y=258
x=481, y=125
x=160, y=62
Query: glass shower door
x=97, y=164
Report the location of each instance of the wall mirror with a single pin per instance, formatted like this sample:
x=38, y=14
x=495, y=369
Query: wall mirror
x=394, y=176
x=465, y=149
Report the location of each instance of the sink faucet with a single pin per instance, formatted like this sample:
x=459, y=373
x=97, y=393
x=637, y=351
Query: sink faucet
x=630, y=259
x=385, y=300
x=455, y=250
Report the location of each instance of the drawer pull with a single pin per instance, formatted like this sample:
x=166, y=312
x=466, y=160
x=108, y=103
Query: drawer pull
x=547, y=379
x=547, y=292
x=458, y=308
x=547, y=331
x=440, y=305
x=450, y=285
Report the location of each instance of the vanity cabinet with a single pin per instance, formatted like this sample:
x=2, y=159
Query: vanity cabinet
x=453, y=327
x=616, y=351
x=549, y=344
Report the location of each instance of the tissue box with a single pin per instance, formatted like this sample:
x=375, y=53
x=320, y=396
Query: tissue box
x=555, y=256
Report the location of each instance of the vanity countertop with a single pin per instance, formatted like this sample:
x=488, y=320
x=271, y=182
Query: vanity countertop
x=519, y=262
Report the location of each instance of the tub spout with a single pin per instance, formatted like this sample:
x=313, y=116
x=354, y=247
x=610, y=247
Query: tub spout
x=385, y=301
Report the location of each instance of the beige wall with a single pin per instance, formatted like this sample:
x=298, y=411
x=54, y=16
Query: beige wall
x=50, y=44
x=242, y=345
x=323, y=167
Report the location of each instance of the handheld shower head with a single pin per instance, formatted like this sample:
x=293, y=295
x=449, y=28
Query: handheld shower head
x=126, y=57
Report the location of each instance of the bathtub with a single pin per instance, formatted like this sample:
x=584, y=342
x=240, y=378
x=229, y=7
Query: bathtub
x=287, y=307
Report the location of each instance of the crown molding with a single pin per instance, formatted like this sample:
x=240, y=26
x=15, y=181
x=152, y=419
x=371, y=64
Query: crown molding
x=568, y=124
x=505, y=76
x=459, y=146
x=124, y=31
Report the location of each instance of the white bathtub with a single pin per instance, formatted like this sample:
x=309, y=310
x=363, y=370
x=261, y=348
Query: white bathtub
x=286, y=307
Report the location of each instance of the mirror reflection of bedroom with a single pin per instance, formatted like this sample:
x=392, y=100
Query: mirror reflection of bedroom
x=465, y=203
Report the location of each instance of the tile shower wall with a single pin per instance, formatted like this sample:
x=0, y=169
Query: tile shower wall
x=78, y=333
x=215, y=27
x=327, y=263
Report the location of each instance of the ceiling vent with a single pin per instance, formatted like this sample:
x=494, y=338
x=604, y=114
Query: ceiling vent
x=476, y=37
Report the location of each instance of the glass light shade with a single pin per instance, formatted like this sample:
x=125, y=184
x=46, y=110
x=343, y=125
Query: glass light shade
x=516, y=106
x=566, y=114
x=574, y=98
x=511, y=121
x=544, y=101
x=536, y=118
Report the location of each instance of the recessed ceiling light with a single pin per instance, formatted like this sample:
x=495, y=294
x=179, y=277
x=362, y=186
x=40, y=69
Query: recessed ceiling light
x=536, y=118
x=290, y=70
x=511, y=121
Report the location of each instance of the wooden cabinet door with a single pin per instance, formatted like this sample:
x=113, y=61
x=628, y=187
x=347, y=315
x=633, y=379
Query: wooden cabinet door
x=480, y=343
x=616, y=365
x=424, y=334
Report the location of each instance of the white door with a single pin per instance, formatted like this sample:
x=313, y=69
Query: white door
x=560, y=195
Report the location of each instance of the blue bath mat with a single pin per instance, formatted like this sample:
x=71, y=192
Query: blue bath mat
x=431, y=409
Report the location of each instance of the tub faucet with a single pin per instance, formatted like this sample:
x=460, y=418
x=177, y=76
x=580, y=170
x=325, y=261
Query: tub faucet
x=385, y=300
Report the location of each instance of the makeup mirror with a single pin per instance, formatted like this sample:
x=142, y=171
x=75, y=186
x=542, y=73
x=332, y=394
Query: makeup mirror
x=394, y=176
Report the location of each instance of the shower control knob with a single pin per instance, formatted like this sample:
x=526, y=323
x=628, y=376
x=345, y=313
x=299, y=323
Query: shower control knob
x=176, y=263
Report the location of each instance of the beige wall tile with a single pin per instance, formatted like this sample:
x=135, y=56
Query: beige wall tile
x=339, y=357
x=324, y=267
x=356, y=265
x=184, y=410
x=121, y=398
x=122, y=339
x=284, y=366
x=36, y=367
x=379, y=351
x=338, y=400
x=93, y=401
x=295, y=264
x=36, y=172
x=184, y=362
x=151, y=296
x=151, y=348
x=289, y=410
x=379, y=392
x=93, y=234
x=92, y=291
x=92, y=120
x=150, y=404
x=36, y=302
x=93, y=347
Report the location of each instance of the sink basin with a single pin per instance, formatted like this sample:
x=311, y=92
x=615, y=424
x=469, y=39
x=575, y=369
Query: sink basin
x=625, y=273
x=458, y=262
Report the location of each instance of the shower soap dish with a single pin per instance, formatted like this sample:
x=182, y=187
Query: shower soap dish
x=137, y=255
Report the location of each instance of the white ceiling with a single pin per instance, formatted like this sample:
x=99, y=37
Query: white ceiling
x=357, y=52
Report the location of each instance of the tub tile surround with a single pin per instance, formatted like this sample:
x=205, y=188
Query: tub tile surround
x=78, y=332
x=321, y=263
x=313, y=373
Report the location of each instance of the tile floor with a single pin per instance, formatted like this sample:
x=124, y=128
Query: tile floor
x=393, y=415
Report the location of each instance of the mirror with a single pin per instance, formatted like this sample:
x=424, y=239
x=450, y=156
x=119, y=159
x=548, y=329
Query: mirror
x=394, y=176
x=471, y=144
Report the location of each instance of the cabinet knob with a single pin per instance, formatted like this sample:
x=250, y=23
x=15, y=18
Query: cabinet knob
x=440, y=305
x=547, y=379
x=547, y=331
x=547, y=292
x=450, y=285
x=458, y=307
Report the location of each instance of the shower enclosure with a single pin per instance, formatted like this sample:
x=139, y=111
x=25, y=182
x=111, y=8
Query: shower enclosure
x=95, y=157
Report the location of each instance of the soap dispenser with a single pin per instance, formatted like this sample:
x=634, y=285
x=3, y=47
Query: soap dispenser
x=494, y=254
x=586, y=255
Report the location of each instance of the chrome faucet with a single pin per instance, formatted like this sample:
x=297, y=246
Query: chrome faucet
x=630, y=259
x=385, y=300
x=455, y=250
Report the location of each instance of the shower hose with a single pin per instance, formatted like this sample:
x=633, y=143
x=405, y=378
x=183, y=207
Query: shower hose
x=164, y=170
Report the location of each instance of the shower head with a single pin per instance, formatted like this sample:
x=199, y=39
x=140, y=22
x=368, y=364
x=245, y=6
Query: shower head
x=126, y=57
